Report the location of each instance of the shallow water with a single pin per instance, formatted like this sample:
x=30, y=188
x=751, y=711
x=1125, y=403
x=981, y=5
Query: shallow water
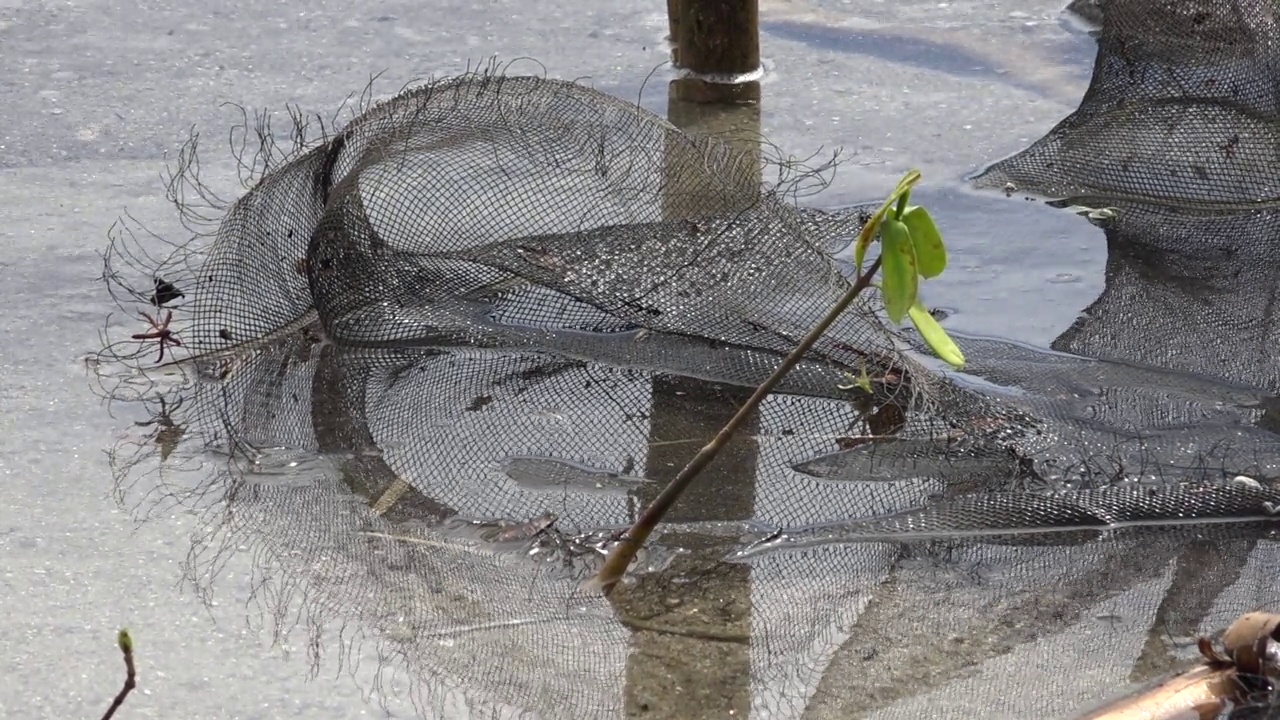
x=100, y=97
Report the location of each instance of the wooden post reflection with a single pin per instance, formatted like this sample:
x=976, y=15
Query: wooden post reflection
x=690, y=649
x=337, y=407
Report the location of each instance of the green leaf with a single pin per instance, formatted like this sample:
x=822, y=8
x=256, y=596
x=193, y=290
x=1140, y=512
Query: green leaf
x=861, y=381
x=938, y=340
x=901, y=207
x=904, y=185
x=868, y=232
x=931, y=254
x=864, y=240
x=899, y=278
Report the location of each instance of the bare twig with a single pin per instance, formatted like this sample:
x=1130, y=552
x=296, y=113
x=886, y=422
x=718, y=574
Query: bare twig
x=131, y=676
x=624, y=551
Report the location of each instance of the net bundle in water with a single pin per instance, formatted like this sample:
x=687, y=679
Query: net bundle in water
x=513, y=212
x=455, y=347
x=452, y=349
x=494, y=227
x=1181, y=108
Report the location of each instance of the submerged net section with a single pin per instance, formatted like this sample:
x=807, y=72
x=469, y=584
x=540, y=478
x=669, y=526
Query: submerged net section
x=1181, y=109
x=446, y=534
x=1214, y=271
x=436, y=360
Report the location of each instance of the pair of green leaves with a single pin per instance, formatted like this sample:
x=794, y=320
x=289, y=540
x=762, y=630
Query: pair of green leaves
x=911, y=248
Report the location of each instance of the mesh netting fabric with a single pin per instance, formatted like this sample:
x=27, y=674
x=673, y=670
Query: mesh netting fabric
x=1181, y=108
x=1216, y=268
x=442, y=356
x=534, y=216
x=375, y=504
x=507, y=212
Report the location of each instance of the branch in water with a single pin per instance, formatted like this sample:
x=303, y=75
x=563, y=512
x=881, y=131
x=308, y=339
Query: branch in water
x=131, y=675
x=624, y=551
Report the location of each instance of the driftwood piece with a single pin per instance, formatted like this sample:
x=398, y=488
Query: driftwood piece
x=1243, y=672
x=1251, y=642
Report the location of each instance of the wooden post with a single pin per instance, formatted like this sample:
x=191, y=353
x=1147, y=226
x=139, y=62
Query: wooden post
x=715, y=41
x=673, y=29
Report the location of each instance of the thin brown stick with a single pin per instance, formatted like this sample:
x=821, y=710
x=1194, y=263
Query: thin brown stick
x=1201, y=693
x=130, y=677
x=624, y=551
x=1226, y=678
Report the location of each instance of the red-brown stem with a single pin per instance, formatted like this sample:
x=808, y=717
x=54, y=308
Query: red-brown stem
x=624, y=551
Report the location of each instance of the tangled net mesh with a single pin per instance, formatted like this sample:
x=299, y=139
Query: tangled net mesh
x=433, y=361
x=417, y=361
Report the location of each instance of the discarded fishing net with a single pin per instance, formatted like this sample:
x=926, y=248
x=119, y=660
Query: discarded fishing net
x=507, y=212
x=1181, y=109
x=449, y=337
x=433, y=363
